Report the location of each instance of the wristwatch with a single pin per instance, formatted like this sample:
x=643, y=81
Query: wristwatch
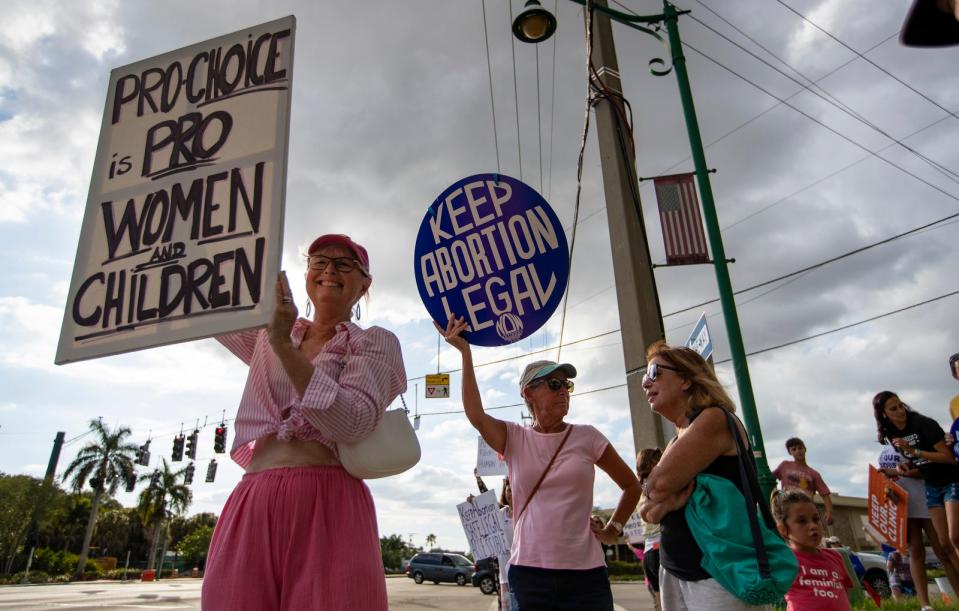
x=616, y=525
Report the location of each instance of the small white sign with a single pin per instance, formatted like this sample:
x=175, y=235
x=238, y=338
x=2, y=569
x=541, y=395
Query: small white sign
x=633, y=530
x=483, y=525
x=488, y=462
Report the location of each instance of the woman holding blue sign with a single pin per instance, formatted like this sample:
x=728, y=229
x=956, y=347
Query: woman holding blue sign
x=298, y=531
x=556, y=560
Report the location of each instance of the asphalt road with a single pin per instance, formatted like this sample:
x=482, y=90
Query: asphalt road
x=404, y=595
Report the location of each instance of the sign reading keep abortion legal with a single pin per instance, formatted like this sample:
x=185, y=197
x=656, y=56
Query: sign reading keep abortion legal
x=491, y=249
x=182, y=232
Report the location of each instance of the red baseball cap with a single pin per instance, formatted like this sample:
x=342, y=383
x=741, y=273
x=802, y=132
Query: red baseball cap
x=339, y=239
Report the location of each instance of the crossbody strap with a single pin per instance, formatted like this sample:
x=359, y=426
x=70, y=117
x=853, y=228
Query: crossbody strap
x=750, y=483
x=569, y=429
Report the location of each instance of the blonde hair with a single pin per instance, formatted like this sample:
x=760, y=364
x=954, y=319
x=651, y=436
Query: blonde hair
x=781, y=500
x=705, y=390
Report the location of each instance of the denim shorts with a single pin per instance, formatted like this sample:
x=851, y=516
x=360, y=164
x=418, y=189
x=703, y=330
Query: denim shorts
x=938, y=496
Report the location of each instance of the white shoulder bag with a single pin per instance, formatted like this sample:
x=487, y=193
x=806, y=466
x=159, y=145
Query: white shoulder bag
x=390, y=449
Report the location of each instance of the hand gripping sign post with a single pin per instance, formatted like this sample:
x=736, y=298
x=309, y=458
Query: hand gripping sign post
x=492, y=250
x=182, y=233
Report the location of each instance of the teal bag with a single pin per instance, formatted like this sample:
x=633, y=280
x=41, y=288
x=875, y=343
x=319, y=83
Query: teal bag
x=753, y=563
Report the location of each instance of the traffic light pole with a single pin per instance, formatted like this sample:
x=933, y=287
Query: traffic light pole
x=34, y=535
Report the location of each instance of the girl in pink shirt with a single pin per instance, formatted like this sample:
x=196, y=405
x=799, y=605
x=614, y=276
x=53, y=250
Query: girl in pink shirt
x=822, y=580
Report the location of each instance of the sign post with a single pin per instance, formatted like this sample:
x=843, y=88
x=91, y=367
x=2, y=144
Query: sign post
x=182, y=232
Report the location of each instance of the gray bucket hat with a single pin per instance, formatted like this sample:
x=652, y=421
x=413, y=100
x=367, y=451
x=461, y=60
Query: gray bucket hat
x=539, y=369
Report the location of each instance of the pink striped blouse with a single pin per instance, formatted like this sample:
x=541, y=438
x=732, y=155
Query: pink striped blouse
x=357, y=375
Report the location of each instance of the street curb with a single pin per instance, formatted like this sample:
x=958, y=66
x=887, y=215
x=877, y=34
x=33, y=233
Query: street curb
x=494, y=606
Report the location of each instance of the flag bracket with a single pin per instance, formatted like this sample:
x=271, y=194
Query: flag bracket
x=709, y=262
x=642, y=178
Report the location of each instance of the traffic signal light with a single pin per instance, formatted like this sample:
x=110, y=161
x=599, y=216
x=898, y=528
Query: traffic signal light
x=178, y=447
x=155, y=479
x=191, y=444
x=211, y=471
x=143, y=455
x=188, y=476
x=219, y=439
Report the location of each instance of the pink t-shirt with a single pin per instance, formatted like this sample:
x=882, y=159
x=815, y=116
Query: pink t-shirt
x=803, y=477
x=821, y=583
x=553, y=532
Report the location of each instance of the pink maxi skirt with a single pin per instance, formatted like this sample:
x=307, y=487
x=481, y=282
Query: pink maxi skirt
x=296, y=538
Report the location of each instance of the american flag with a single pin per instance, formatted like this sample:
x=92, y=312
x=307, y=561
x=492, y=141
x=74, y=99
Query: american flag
x=682, y=224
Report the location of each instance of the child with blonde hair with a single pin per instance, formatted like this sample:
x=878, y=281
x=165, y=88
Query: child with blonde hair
x=822, y=580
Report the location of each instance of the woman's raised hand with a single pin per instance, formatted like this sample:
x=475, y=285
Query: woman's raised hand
x=452, y=333
x=284, y=313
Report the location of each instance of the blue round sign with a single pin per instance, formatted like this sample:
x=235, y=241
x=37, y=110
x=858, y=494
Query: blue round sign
x=490, y=249
x=954, y=431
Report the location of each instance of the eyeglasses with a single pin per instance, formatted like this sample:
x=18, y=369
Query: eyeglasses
x=340, y=264
x=554, y=384
x=652, y=371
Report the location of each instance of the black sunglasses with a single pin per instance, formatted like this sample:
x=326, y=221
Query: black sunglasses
x=555, y=384
x=652, y=371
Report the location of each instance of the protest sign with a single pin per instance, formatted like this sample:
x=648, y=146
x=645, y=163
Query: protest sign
x=483, y=525
x=182, y=233
x=633, y=529
x=888, y=504
x=488, y=461
x=491, y=249
x=437, y=385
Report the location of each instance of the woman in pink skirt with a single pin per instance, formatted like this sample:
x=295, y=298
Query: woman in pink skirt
x=299, y=532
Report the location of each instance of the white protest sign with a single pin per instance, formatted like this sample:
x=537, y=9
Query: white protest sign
x=633, y=529
x=483, y=525
x=488, y=462
x=182, y=233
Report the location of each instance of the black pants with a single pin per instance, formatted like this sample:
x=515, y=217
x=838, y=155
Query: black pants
x=539, y=589
x=651, y=569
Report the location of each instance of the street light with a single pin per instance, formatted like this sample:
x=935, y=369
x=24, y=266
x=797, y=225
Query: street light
x=670, y=17
x=534, y=23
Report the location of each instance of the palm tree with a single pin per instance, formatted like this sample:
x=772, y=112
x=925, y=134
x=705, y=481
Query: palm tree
x=165, y=497
x=103, y=463
x=430, y=540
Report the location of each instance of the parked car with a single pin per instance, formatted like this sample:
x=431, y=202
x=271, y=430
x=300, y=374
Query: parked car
x=485, y=575
x=437, y=567
x=874, y=572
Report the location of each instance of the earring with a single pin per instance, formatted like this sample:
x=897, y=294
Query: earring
x=309, y=308
x=356, y=310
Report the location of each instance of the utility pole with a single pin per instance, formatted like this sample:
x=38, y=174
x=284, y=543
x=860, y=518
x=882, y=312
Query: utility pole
x=640, y=319
x=33, y=536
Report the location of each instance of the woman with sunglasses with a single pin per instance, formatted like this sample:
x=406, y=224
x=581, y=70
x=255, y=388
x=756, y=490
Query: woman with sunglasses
x=922, y=442
x=681, y=387
x=556, y=559
x=298, y=531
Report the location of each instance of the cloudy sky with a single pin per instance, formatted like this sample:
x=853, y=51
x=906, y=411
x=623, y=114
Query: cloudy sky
x=391, y=104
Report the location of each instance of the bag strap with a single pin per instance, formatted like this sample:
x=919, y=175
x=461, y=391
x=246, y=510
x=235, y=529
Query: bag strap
x=569, y=430
x=750, y=482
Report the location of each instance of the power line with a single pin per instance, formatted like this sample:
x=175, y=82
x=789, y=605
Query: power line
x=869, y=61
x=492, y=103
x=519, y=139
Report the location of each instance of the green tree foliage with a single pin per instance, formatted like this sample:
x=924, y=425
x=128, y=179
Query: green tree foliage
x=17, y=503
x=194, y=546
x=183, y=526
x=395, y=550
x=168, y=497
x=103, y=463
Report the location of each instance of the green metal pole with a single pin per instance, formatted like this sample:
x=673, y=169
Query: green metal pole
x=766, y=480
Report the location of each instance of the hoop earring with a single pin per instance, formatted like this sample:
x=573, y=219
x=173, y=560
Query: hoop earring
x=309, y=308
x=356, y=311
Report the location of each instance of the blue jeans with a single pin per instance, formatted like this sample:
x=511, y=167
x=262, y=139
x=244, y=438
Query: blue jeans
x=538, y=589
x=938, y=496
